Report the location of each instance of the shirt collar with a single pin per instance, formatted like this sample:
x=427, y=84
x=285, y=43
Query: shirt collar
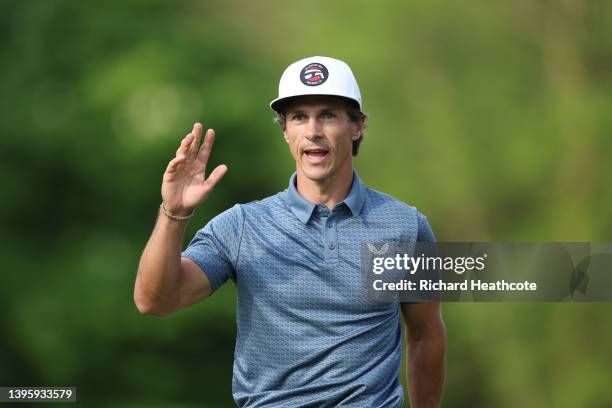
x=356, y=196
x=303, y=208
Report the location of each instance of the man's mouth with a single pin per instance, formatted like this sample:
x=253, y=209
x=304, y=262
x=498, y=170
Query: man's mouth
x=316, y=155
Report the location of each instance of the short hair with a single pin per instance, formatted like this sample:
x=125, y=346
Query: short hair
x=351, y=108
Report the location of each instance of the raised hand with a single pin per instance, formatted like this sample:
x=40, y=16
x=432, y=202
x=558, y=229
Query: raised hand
x=185, y=185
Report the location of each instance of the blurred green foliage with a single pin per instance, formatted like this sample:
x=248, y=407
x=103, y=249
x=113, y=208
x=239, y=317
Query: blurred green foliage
x=492, y=117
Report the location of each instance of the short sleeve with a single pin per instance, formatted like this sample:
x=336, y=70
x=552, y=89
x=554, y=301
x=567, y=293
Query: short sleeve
x=425, y=233
x=215, y=247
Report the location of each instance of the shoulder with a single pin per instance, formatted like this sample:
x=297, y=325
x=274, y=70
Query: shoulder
x=382, y=203
x=228, y=221
x=267, y=205
x=235, y=216
x=379, y=201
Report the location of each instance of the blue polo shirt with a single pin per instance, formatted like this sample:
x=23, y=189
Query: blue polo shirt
x=307, y=334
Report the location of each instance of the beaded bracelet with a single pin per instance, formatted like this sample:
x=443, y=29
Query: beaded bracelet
x=174, y=216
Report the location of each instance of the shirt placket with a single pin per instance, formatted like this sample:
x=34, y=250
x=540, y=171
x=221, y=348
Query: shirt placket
x=330, y=233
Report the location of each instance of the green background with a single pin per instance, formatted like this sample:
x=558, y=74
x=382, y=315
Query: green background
x=493, y=118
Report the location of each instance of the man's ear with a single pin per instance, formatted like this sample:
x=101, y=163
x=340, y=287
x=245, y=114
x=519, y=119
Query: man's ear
x=285, y=135
x=359, y=126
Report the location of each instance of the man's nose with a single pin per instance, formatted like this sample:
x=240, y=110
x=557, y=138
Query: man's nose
x=313, y=129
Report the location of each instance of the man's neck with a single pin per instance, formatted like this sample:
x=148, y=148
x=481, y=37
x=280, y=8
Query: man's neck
x=330, y=191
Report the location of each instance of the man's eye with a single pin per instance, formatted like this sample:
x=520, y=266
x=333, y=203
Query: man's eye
x=328, y=115
x=297, y=116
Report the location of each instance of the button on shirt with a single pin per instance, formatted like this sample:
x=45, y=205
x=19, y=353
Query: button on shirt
x=307, y=335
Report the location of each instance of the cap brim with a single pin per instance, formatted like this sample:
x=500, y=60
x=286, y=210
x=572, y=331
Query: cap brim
x=278, y=103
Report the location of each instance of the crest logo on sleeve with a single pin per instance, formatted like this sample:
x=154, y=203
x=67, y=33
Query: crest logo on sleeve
x=314, y=74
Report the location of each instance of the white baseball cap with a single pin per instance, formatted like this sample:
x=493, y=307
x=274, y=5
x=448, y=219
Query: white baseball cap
x=317, y=76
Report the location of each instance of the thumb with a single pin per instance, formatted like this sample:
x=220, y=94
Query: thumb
x=216, y=175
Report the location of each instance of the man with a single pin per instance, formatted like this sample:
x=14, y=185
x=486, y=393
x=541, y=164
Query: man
x=307, y=334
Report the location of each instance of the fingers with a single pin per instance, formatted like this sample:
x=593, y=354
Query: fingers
x=189, y=150
x=184, y=147
x=195, y=141
x=209, y=140
x=175, y=164
x=216, y=175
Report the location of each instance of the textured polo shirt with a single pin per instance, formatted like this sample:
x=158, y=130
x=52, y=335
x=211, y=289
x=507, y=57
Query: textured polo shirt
x=307, y=334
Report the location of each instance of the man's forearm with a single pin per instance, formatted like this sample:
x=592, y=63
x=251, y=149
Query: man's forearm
x=426, y=366
x=158, y=275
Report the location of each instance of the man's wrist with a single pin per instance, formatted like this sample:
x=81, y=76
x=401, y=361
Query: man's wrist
x=173, y=215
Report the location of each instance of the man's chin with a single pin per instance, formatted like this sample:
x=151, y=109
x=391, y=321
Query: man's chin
x=316, y=174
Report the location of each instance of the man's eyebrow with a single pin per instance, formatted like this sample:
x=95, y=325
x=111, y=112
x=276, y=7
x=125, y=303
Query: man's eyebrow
x=324, y=109
x=295, y=110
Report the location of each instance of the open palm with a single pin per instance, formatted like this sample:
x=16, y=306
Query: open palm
x=185, y=184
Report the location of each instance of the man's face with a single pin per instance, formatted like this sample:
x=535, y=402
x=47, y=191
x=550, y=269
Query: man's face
x=320, y=135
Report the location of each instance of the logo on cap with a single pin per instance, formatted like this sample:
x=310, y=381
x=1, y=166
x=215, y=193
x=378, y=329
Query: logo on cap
x=314, y=74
